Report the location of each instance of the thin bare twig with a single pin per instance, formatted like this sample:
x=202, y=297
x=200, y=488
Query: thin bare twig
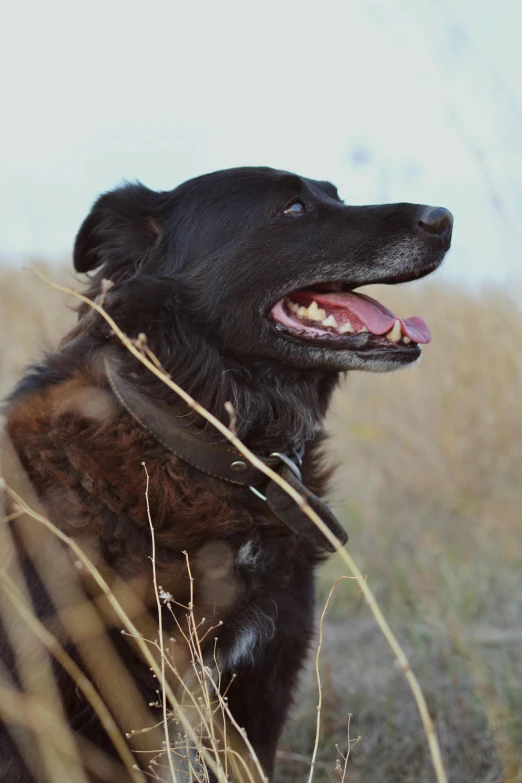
x=160, y=629
x=318, y=677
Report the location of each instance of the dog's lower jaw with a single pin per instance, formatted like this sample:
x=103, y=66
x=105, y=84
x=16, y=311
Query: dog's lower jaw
x=383, y=365
x=319, y=359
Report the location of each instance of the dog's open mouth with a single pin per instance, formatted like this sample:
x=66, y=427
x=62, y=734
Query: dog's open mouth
x=341, y=318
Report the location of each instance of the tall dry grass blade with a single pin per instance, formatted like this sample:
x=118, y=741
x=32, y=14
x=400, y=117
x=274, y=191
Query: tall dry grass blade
x=57, y=756
x=81, y=617
x=84, y=684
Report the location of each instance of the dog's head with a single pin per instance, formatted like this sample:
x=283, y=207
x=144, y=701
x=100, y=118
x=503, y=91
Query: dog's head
x=262, y=264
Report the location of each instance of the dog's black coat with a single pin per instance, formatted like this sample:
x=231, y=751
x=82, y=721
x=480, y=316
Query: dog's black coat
x=197, y=269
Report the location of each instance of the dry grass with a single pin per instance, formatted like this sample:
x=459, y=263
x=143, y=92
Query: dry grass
x=33, y=318
x=429, y=488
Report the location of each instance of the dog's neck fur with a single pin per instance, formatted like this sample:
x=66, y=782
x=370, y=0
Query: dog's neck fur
x=273, y=405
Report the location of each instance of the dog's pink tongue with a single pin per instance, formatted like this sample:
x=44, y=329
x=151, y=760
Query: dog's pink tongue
x=375, y=316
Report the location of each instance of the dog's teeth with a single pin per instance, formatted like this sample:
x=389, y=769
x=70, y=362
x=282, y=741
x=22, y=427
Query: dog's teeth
x=364, y=329
x=347, y=327
x=330, y=321
x=406, y=339
x=313, y=312
x=316, y=313
x=395, y=332
x=292, y=306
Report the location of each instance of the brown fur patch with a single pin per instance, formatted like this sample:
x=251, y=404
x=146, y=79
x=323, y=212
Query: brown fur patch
x=91, y=403
x=85, y=458
x=83, y=613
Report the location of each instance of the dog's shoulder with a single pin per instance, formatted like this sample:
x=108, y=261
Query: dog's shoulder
x=88, y=461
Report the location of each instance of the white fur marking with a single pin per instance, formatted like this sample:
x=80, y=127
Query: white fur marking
x=247, y=556
x=243, y=649
x=254, y=630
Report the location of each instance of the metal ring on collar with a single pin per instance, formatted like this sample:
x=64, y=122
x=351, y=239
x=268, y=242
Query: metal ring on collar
x=258, y=493
x=288, y=462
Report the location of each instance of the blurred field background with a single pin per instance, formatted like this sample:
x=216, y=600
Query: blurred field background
x=429, y=487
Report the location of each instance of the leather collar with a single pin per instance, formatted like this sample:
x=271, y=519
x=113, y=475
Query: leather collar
x=223, y=461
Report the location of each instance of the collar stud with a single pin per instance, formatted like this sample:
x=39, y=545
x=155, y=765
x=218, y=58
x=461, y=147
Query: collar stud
x=238, y=466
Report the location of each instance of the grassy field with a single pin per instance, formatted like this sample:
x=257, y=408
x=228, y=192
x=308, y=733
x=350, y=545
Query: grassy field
x=429, y=487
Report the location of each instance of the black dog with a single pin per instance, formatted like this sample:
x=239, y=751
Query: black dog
x=243, y=282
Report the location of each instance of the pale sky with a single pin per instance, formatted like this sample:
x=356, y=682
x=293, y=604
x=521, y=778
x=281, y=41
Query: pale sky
x=393, y=100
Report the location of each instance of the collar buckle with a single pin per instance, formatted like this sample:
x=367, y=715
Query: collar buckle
x=291, y=514
x=285, y=459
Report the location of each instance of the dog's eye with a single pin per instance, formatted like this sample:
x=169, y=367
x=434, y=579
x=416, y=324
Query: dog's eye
x=297, y=208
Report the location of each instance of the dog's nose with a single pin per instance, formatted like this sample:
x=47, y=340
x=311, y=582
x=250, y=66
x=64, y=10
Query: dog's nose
x=437, y=220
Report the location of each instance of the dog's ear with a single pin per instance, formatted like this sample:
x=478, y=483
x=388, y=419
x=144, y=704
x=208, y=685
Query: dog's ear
x=123, y=225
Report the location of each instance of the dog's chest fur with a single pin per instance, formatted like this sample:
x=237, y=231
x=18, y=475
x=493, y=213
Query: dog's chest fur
x=86, y=460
